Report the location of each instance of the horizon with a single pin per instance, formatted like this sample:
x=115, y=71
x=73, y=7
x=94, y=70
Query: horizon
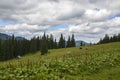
x=41, y=36
x=88, y=20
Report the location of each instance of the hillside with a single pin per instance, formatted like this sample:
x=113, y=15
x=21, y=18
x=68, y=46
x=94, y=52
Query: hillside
x=96, y=62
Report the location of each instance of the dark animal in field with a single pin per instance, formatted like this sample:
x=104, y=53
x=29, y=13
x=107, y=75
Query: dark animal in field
x=80, y=48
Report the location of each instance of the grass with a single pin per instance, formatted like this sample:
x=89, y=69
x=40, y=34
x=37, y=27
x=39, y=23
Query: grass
x=96, y=62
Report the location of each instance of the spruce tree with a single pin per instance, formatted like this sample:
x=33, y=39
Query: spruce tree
x=115, y=38
x=72, y=41
x=68, y=42
x=119, y=37
x=44, y=47
x=51, y=42
x=111, y=39
x=61, y=42
x=106, y=39
x=11, y=46
x=38, y=43
x=33, y=45
x=55, y=44
x=1, y=56
x=64, y=43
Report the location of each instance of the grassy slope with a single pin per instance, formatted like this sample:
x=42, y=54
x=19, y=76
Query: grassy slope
x=98, y=62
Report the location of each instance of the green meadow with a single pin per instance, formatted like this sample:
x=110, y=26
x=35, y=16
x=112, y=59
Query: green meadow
x=95, y=62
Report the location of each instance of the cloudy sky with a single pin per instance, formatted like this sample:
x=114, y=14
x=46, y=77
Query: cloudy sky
x=89, y=20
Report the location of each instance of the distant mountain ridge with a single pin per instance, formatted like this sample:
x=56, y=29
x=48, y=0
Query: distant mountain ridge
x=77, y=43
x=5, y=36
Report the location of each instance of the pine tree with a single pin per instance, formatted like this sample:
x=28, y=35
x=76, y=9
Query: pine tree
x=48, y=41
x=44, y=47
x=26, y=45
x=72, y=41
x=68, y=42
x=33, y=45
x=11, y=46
x=1, y=56
x=111, y=39
x=106, y=39
x=61, y=42
x=51, y=42
x=55, y=44
x=64, y=43
x=8, y=51
x=115, y=39
x=119, y=37
x=38, y=43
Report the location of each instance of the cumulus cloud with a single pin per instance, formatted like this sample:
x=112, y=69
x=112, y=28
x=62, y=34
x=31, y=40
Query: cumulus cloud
x=87, y=19
x=96, y=14
x=24, y=27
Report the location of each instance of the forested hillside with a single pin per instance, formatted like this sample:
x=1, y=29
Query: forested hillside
x=11, y=47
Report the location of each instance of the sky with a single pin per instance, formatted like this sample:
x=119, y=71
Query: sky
x=88, y=20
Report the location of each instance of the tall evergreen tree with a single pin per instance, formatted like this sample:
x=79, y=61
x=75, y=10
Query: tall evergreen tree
x=38, y=43
x=33, y=45
x=1, y=56
x=11, y=46
x=111, y=39
x=106, y=39
x=8, y=51
x=68, y=42
x=44, y=46
x=64, y=43
x=55, y=44
x=72, y=41
x=61, y=42
x=115, y=38
x=51, y=42
x=119, y=37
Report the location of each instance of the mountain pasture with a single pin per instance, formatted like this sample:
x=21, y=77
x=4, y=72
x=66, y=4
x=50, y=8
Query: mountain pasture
x=96, y=62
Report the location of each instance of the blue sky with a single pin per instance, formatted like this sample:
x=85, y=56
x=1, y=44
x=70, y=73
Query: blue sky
x=61, y=26
x=116, y=15
x=4, y=23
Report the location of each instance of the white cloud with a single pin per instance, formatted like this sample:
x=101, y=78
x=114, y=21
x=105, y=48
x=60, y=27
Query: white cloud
x=115, y=22
x=87, y=19
x=24, y=27
x=95, y=15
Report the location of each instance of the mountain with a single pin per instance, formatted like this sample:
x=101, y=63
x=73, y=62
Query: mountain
x=5, y=36
x=77, y=43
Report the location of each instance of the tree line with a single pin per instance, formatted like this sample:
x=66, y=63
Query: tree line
x=11, y=48
x=108, y=39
